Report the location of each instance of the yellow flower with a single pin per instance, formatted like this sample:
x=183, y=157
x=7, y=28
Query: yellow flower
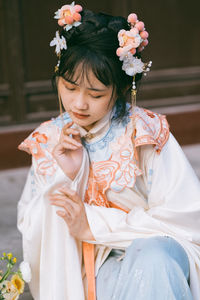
x=4, y=254
x=18, y=283
x=14, y=260
x=9, y=255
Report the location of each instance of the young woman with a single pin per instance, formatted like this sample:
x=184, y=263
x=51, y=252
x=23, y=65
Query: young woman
x=111, y=206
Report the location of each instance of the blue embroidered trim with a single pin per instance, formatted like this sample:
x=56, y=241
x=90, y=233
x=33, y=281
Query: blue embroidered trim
x=108, y=137
x=59, y=120
x=100, y=144
x=103, y=142
x=149, y=182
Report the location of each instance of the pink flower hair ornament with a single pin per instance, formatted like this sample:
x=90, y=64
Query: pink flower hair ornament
x=69, y=16
x=129, y=42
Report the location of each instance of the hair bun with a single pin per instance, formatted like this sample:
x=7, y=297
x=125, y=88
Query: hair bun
x=118, y=23
x=94, y=24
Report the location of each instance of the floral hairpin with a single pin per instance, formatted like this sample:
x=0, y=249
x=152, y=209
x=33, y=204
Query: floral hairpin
x=59, y=42
x=68, y=16
x=129, y=41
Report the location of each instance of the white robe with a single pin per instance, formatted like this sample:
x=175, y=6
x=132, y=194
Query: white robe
x=165, y=200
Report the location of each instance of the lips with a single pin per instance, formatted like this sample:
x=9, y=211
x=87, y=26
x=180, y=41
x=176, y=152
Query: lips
x=80, y=116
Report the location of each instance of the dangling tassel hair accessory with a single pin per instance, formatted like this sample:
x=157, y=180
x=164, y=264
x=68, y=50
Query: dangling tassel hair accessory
x=131, y=42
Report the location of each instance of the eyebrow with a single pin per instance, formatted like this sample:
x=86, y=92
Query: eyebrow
x=91, y=89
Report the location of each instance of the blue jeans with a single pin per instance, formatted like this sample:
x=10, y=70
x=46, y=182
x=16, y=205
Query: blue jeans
x=154, y=268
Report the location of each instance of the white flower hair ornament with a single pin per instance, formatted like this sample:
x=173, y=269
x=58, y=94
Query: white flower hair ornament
x=129, y=41
x=68, y=16
x=59, y=42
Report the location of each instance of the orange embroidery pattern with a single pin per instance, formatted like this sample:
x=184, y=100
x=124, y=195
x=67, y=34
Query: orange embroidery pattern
x=37, y=145
x=155, y=132
x=46, y=165
x=121, y=169
x=40, y=137
x=117, y=173
x=100, y=176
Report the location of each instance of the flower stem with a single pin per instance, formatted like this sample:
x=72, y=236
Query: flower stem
x=5, y=276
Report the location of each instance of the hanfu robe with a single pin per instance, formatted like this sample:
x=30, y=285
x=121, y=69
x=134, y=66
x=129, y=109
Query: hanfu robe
x=135, y=182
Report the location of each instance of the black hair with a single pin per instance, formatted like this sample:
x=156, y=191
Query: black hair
x=93, y=44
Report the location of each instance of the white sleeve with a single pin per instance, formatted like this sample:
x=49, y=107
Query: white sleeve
x=173, y=204
x=37, y=185
x=53, y=254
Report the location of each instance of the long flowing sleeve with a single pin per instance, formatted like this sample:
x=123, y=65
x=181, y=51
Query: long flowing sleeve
x=55, y=257
x=173, y=208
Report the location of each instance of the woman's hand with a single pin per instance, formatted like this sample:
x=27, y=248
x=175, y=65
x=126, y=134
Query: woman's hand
x=69, y=151
x=73, y=214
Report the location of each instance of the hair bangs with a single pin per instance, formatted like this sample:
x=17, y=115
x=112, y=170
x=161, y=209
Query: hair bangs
x=79, y=62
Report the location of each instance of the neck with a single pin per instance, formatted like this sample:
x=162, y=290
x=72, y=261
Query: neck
x=89, y=127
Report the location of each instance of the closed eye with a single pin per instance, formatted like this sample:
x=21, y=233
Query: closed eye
x=96, y=97
x=70, y=89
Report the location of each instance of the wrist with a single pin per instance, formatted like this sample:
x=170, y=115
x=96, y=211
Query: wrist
x=87, y=234
x=71, y=175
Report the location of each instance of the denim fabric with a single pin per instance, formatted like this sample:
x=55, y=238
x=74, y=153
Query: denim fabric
x=154, y=268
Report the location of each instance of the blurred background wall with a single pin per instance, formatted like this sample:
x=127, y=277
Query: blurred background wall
x=27, y=64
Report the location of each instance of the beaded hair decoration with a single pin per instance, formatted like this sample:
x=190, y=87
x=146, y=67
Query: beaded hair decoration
x=129, y=41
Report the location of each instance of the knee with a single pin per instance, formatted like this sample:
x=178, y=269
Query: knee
x=153, y=250
x=151, y=244
x=156, y=252
x=167, y=252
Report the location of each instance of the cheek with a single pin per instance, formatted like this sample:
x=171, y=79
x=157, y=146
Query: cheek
x=102, y=108
x=66, y=106
x=65, y=103
x=65, y=98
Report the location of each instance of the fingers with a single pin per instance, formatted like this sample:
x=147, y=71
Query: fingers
x=67, y=129
x=71, y=136
x=67, y=126
x=68, y=146
x=65, y=193
x=71, y=208
x=64, y=215
x=71, y=131
x=71, y=194
x=71, y=141
x=64, y=204
x=77, y=138
x=68, y=206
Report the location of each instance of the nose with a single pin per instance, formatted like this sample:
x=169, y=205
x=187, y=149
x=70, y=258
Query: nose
x=80, y=101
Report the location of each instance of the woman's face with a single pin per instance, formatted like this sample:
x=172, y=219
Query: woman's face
x=86, y=101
